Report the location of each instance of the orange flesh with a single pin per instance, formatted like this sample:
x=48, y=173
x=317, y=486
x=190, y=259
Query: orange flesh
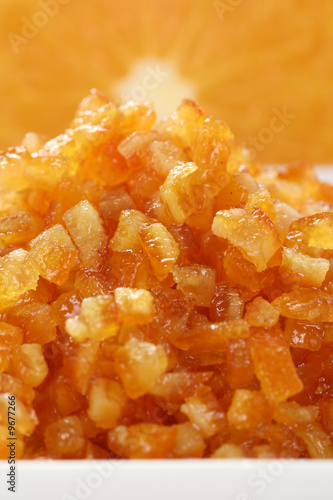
x=159, y=299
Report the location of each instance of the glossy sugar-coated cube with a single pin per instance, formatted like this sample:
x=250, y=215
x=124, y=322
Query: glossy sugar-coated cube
x=285, y=216
x=240, y=369
x=160, y=247
x=10, y=335
x=260, y=312
x=316, y=440
x=32, y=317
x=134, y=305
x=253, y=233
x=306, y=304
x=262, y=199
x=182, y=125
x=97, y=320
x=197, y=282
x=106, y=402
x=227, y=303
x=18, y=229
x=273, y=365
x=189, y=442
x=204, y=411
x=28, y=364
x=312, y=231
x=303, y=334
x=301, y=269
x=139, y=366
x=177, y=386
x=110, y=206
x=79, y=361
x=236, y=190
x=249, y=409
x=18, y=273
x=127, y=236
x=65, y=438
x=85, y=227
x=145, y=440
x=291, y=413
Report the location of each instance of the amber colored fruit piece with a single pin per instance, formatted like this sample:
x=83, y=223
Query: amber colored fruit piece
x=204, y=411
x=5, y=356
x=85, y=227
x=252, y=232
x=79, y=361
x=177, y=386
x=313, y=231
x=212, y=146
x=106, y=402
x=160, y=247
x=28, y=364
x=228, y=450
x=261, y=313
x=210, y=337
x=300, y=269
x=64, y=438
x=240, y=370
x=32, y=318
x=227, y=303
x=177, y=193
x=54, y=254
x=183, y=123
x=134, y=305
x=97, y=320
x=305, y=304
x=111, y=204
x=285, y=216
x=197, y=282
x=236, y=190
x=248, y=409
x=273, y=365
x=16, y=387
x=127, y=236
x=65, y=400
x=303, y=334
x=139, y=366
x=262, y=199
x=18, y=274
x=317, y=441
x=291, y=413
x=189, y=442
x=17, y=230
x=67, y=305
x=10, y=335
x=143, y=440
x=25, y=417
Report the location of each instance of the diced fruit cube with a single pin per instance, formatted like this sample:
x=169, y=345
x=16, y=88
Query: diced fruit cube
x=189, y=442
x=139, y=366
x=305, y=304
x=65, y=438
x=300, y=269
x=28, y=364
x=106, y=402
x=291, y=413
x=273, y=365
x=97, y=320
x=10, y=335
x=316, y=440
x=249, y=409
x=177, y=386
x=303, y=334
x=134, y=305
x=261, y=313
x=197, y=282
x=227, y=303
x=79, y=361
x=127, y=236
x=204, y=411
x=85, y=227
x=160, y=247
x=252, y=232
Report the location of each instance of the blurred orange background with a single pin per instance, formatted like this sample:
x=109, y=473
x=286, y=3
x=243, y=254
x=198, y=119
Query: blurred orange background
x=265, y=67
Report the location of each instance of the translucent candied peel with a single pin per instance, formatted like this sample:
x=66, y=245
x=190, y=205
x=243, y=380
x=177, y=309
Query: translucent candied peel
x=161, y=294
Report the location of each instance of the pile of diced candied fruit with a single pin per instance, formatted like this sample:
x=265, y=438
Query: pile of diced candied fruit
x=162, y=295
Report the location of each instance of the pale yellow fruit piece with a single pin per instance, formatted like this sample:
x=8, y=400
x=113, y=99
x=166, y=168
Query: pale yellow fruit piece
x=302, y=269
x=160, y=247
x=228, y=450
x=291, y=413
x=28, y=364
x=85, y=227
x=13, y=163
x=285, y=216
x=139, y=366
x=25, y=417
x=197, y=282
x=165, y=156
x=18, y=274
x=97, y=320
x=54, y=254
x=176, y=192
x=134, y=305
x=253, y=233
x=106, y=402
x=262, y=199
x=127, y=236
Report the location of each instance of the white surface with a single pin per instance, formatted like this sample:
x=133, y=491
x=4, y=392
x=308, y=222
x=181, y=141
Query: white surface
x=173, y=480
